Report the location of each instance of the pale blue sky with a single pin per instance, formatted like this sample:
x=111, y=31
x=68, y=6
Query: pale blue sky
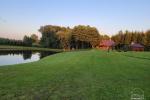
x=20, y=17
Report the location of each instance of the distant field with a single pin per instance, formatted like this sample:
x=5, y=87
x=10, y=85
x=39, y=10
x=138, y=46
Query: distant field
x=78, y=75
x=5, y=47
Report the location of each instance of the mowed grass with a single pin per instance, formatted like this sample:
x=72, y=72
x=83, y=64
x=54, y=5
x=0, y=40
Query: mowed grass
x=78, y=75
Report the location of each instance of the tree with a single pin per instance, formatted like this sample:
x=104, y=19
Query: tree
x=147, y=39
x=6, y=41
x=65, y=39
x=127, y=37
x=118, y=38
x=85, y=36
x=61, y=37
x=104, y=37
x=34, y=38
x=49, y=37
x=27, y=41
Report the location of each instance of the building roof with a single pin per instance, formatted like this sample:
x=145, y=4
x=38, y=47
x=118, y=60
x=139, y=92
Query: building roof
x=137, y=45
x=107, y=43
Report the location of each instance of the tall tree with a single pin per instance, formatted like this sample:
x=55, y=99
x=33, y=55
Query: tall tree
x=64, y=37
x=147, y=39
x=49, y=38
x=104, y=37
x=27, y=41
x=34, y=38
x=85, y=36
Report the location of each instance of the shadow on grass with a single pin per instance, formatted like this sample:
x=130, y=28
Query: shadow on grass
x=137, y=57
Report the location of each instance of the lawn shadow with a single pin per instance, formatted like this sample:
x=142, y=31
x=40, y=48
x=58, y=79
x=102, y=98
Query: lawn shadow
x=137, y=57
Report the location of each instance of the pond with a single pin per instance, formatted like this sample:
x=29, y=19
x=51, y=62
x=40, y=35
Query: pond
x=17, y=57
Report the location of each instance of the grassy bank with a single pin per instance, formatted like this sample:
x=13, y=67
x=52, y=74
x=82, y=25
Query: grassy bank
x=81, y=75
x=5, y=47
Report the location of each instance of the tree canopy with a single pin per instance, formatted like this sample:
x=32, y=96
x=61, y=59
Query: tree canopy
x=64, y=37
x=127, y=37
x=6, y=41
x=27, y=41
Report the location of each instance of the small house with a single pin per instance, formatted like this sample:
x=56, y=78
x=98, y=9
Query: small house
x=137, y=47
x=106, y=44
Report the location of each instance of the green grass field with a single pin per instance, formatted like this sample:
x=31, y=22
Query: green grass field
x=78, y=75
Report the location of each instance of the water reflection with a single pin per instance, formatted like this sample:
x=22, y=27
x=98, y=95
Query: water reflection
x=27, y=55
x=44, y=54
x=16, y=57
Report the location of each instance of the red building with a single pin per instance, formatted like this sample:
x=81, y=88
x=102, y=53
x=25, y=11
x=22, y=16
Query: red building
x=137, y=47
x=106, y=44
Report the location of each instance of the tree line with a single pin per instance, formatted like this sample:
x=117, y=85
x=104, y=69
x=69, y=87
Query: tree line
x=6, y=41
x=123, y=39
x=26, y=41
x=79, y=37
x=31, y=40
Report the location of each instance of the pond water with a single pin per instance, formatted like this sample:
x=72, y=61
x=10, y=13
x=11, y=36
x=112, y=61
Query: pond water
x=17, y=57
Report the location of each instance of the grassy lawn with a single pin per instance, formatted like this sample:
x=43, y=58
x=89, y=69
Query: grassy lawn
x=5, y=47
x=78, y=75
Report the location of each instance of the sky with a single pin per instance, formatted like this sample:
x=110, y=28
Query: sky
x=24, y=17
